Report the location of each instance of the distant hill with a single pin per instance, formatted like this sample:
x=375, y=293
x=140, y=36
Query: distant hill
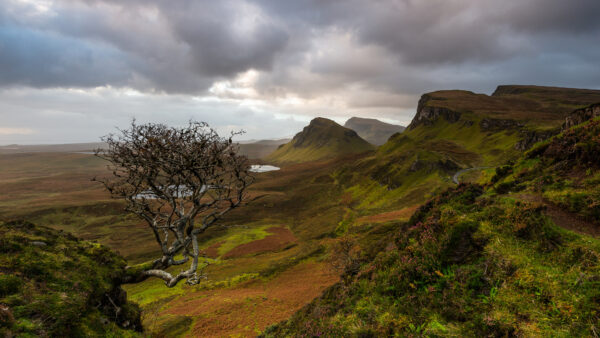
x=322, y=138
x=260, y=149
x=51, y=148
x=372, y=130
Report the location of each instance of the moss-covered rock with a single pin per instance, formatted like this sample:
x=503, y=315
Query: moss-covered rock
x=53, y=284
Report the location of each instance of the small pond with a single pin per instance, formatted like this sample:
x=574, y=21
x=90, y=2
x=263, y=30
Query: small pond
x=259, y=168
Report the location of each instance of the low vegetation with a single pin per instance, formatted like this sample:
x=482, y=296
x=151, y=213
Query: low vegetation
x=53, y=284
x=467, y=264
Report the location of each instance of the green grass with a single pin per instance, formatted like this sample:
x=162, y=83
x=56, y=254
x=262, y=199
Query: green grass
x=238, y=235
x=413, y=165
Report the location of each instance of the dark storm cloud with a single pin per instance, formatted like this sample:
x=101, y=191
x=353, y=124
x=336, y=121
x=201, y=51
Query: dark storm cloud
x=576, y=16
x=184, y=46
x=441, y=31
x=41, y=59
x=169, y=46
x=309, y=57
x=225, y=37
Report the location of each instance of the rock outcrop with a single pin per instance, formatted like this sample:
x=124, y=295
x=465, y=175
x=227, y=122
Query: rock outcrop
x=427, y=115
x=581, y=115
x=490, y=124
x=531, y=137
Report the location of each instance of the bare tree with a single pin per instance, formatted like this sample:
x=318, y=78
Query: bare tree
x=180, y=181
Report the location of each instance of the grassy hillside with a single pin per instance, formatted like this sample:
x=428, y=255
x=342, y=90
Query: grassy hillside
x=372, y=130
x=53, y=284
x=321, y=139
x=518, y=256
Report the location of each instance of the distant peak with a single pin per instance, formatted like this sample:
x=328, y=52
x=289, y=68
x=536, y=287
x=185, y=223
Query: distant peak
x=322, y=121
x=322, y=138
x=361, y=119
x=373, y=130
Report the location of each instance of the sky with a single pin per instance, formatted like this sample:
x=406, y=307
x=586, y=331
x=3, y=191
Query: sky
x=74, y=70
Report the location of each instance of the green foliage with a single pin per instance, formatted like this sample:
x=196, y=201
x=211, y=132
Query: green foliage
x=9, y=285
x=238, y=236
x=501, y=172
x=562, y=169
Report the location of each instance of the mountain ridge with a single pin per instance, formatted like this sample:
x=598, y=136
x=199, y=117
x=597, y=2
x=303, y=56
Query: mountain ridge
x=372, y=130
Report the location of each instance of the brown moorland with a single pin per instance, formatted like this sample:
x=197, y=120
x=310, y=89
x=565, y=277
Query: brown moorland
x=248, y=309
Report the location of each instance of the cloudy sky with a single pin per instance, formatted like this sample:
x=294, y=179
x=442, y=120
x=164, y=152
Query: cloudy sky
x=73, y=70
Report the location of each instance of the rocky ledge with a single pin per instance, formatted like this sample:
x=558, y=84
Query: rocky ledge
x=581, y=115
x=427, y=115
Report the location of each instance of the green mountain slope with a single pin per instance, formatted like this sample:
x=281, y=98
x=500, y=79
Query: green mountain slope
x=459, y=129
x=321, y=139
x=372, y=130
x=55, y=285
x=518, y=256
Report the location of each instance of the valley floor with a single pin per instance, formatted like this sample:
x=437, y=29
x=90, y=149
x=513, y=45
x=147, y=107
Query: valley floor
x=266, y=264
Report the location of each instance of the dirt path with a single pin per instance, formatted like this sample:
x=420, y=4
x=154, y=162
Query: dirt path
x=563, y=218
x=462, y=171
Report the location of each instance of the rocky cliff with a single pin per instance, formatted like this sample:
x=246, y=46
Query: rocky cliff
x=427, y=114
x=581, y=115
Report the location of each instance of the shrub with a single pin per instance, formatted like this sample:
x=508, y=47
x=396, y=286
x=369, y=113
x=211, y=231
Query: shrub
x=9, y=285
x=501, y=172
